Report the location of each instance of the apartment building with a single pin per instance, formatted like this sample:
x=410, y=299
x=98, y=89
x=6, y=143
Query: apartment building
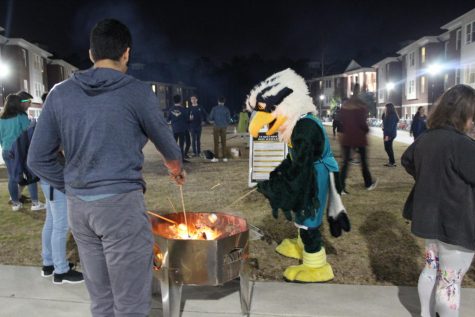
x=389, y=84
x=166, y=91
x=422, y=74
x=58, y=71
x=329, y=89
x=460, y=49
x=28, y=65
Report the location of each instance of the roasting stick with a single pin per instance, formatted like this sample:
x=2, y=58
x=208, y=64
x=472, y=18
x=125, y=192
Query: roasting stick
x=184, y=211
x=173, y=206
x=218, y=184
x=161, y=217
x=242, y=197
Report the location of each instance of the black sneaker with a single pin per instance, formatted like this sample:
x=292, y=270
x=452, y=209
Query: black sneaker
x=390, y=165
x=48, y=270
x=71, y=277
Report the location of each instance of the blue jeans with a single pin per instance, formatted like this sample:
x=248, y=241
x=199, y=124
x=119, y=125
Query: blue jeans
x=13, y=185
x=55, y=230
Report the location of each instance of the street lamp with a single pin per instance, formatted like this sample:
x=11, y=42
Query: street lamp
x=434, y=70
x=390, y=86
x=4, y=73
x=322, y=97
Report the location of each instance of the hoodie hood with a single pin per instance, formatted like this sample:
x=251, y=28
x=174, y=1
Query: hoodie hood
x=95, y=81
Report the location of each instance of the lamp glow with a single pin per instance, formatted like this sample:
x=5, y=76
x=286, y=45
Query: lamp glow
x=4, y=70
x=390, y=86
x=322, y=97
x=434, y=69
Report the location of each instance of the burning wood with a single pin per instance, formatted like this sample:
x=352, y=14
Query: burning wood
x=194, y=231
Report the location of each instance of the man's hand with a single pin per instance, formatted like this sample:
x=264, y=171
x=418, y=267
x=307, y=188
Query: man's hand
x=177, y=173
x=386, y=138
x=179, y=178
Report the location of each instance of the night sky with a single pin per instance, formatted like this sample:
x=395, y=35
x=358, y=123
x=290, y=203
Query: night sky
x=225, y=47
x=163, y=30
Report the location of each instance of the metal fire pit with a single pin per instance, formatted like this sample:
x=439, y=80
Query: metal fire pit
x=201, y=262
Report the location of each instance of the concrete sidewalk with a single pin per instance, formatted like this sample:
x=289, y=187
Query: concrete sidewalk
x=23, y=292
x=402, y=135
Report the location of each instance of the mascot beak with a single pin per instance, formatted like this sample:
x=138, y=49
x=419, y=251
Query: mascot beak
x=261, y=119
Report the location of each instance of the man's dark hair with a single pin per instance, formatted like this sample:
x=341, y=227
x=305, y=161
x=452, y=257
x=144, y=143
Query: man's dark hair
x=221, y=100
x=177, y=99
x=43, y=96
x=109, y=39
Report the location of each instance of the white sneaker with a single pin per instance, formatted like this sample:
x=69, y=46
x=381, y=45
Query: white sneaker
x=16, y=206
x=214, y=160
x=37, y=206
x=372, y=186
x=225, y=160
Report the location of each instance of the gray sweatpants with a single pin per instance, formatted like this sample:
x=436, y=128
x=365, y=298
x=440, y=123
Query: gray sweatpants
x=115, y=246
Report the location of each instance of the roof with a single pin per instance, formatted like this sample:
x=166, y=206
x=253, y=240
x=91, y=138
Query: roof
x=352, y=66
x=386, y=60
x=419, y=43
x=457, y=22
x=29, y=46
x=61, y=63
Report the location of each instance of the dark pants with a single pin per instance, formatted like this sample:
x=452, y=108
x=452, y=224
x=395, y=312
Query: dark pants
x=12, y=183
x=196, y=141
x=388, y=147
x=115, y=244
x=336, y=127
x=180, y=137
x=219, y=133
x=187, y=142
x=364, y=165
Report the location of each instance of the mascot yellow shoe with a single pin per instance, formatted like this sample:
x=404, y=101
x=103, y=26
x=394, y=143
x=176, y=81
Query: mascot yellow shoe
x=291, y=248
x=314, y=269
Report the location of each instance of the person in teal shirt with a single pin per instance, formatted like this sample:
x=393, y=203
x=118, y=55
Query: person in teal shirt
x=13, y=121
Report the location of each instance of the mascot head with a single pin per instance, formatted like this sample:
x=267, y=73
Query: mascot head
x=279, y=102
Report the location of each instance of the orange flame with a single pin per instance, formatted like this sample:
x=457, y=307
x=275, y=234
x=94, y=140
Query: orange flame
x=195, y=233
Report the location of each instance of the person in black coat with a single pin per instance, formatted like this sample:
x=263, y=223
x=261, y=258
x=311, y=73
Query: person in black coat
x=390, y=120
x=178, y=116
x=441, y=204
x=197, y=117
x=418, y=125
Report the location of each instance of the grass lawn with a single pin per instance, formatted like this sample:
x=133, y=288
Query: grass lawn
x=379, y=250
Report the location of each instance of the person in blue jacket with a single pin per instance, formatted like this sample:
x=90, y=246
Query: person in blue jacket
x=390, y=120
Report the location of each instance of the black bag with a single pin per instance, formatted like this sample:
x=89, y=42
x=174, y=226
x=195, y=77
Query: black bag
x=208, y=154
x=408, y=205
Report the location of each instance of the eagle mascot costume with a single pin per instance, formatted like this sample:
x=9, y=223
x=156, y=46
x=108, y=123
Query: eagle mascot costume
x=306, y=180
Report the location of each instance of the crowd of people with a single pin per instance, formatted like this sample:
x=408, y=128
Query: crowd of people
x=73, y=151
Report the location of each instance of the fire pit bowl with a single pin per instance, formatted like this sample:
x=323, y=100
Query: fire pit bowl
x=214, y=253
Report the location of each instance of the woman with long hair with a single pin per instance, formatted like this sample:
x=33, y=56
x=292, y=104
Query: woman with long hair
x=390, y=120
x=419, y=123
x=442, y=203
x=13, y=121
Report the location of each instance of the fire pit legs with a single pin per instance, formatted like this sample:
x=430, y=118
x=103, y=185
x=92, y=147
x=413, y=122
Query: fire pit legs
x=245, y=289
x=171, y=294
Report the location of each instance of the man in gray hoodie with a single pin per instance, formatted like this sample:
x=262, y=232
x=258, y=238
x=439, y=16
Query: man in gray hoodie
x=102, y=118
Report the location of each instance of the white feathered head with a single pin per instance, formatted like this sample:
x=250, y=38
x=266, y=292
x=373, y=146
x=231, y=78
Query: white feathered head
x=279, y=101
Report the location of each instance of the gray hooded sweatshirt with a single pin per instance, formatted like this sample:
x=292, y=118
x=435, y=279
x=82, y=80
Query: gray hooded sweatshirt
x=102, y=119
